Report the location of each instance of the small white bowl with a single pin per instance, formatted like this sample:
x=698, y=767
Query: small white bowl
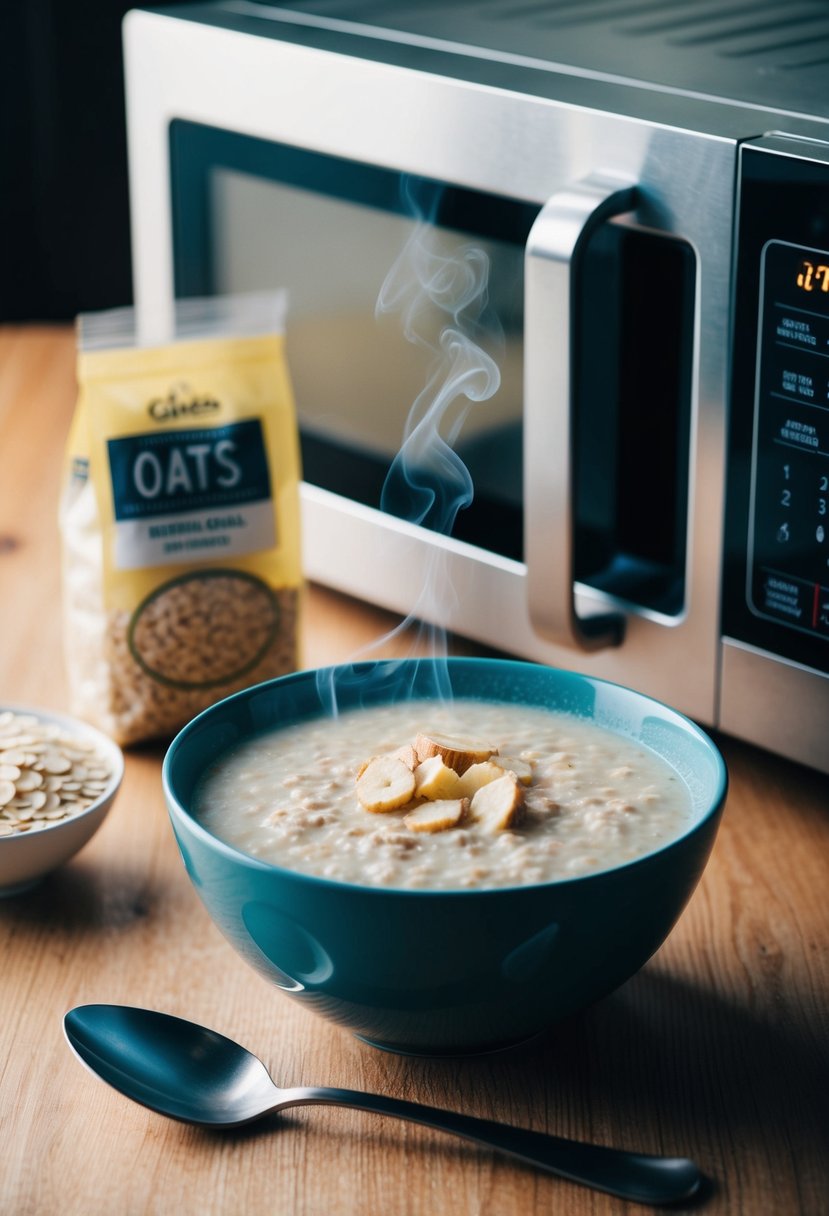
x=27, y=857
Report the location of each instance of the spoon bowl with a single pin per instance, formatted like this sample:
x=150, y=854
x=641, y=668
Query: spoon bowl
x=196, y=1075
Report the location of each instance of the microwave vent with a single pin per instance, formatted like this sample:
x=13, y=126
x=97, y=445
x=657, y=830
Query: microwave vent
x=750, y=52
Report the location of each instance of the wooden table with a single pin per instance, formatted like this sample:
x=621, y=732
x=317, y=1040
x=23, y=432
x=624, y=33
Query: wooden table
x=716, y=1050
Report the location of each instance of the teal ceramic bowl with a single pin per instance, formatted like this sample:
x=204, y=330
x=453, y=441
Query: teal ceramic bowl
x=445, y=971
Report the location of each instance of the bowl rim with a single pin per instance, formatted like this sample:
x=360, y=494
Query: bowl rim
x=176, y=808
x=80, y=727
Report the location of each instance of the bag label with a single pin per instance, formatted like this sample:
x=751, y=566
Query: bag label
x=200, y=493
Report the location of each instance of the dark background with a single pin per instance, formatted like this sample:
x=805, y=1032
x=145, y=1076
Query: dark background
x=64, y=211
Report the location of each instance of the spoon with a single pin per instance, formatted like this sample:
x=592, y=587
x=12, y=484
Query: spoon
x=190, y=1073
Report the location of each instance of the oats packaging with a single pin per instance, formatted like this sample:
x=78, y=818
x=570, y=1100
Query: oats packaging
x=180, y=515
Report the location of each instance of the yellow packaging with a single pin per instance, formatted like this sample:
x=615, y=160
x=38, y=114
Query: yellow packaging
x=180, y=515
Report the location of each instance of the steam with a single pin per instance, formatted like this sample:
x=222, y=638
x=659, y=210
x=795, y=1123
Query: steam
x=428, y=483
x=441, y=292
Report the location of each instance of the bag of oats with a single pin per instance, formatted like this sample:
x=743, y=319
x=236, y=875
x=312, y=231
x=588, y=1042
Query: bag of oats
x=180, y=515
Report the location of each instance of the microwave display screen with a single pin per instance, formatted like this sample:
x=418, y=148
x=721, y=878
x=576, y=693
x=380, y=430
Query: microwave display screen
x=379, y=266
x=789, y=550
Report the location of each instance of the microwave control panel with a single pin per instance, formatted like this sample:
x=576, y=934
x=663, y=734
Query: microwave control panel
x=776, y=585
x=788, y=568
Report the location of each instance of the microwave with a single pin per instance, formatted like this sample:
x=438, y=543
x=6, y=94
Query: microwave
x=559, y=315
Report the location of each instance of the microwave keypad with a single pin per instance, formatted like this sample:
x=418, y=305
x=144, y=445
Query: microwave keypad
x=788, y=570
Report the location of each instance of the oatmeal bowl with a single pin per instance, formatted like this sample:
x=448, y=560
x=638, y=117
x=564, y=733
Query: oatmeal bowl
x=444, y=856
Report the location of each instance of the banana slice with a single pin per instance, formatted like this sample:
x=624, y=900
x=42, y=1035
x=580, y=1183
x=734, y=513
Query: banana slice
x=433, y=779
x=479, y=775
x=408, y=755
x=458, y=754
x=522, y=768
x=437, y=816
x=385, y=783
x=498, y=804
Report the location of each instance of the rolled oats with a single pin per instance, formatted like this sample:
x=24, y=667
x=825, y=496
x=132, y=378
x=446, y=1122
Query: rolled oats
x=30, y=801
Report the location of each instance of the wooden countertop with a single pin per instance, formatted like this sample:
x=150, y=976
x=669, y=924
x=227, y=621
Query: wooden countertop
x=717, y=1049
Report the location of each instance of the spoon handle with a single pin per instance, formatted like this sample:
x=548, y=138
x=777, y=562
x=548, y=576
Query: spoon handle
x=636, y=1176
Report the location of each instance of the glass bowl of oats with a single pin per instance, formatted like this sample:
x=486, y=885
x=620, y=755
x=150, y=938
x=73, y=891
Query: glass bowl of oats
x=58, y=779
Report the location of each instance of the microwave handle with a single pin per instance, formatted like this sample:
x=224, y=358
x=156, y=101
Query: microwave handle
x=551, y=266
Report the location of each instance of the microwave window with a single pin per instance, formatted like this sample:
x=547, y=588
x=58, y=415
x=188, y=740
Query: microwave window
x=387, y=274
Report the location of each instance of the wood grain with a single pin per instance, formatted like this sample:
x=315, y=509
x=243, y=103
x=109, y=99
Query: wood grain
x=717, y=1049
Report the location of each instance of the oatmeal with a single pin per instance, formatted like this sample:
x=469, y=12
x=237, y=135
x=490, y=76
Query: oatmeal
x=574, y=798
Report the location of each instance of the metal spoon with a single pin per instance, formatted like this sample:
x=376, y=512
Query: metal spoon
x=190, y=1073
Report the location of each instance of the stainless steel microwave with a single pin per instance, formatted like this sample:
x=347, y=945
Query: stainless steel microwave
x=559, y=281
